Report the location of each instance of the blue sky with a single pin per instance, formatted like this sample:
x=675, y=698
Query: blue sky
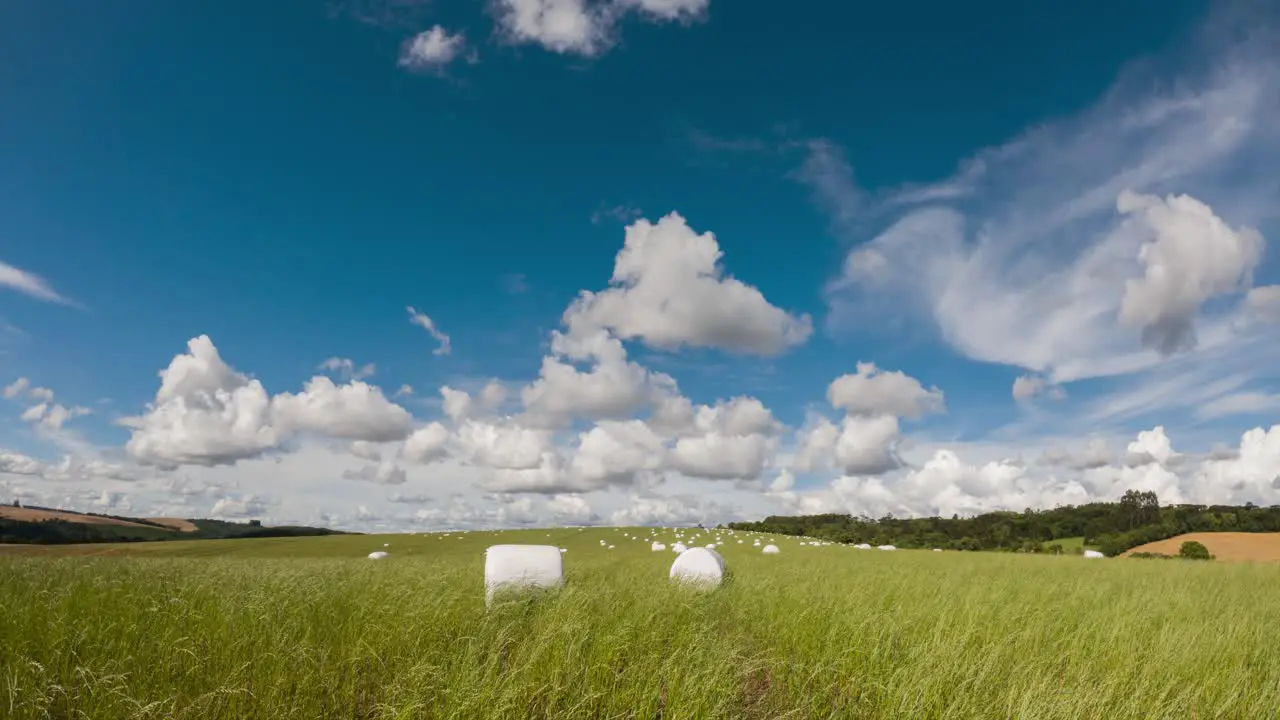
x=962, y=199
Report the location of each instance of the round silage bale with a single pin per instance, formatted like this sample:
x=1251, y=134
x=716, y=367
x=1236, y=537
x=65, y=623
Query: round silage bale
x=770, y=550
x=700, y=568
x=377, y=555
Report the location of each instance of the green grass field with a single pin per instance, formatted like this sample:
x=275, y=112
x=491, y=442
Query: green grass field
x=309, y=628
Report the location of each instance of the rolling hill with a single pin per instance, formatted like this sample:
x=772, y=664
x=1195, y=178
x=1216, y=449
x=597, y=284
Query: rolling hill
x=50, y=526
x=1258, y=547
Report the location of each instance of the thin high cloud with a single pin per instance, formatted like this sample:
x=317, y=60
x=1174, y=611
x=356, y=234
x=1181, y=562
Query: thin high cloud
x=425, y=322
x=1102, y=244
x=31, y=285
x=393, y=14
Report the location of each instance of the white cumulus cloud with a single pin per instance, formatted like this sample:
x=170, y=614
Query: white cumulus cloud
x=583, y=27
x=433, y=49
x=352, y=411
x=669, y=291
x=1192, y=257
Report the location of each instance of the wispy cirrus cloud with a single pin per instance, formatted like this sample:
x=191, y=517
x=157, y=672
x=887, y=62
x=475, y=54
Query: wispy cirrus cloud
x=30, y=284
x=425, y=322
x=392, y=14
x=1107, y=243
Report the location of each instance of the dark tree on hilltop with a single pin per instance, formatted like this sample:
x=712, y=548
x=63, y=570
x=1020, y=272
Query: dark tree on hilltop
x=1140, y=508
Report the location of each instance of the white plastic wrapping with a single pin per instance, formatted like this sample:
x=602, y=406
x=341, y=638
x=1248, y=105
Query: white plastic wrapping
x=508, y=567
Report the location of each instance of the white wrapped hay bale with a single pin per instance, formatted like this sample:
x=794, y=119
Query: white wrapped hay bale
x=886, y=547
x=512, y=567
x=770, y=550
x=1093, y=554
x=937, y=549
x=699, y=567
x=710, y=546
x=863, y=546
x=377, y=555
x=678, y=548
x=657, y=547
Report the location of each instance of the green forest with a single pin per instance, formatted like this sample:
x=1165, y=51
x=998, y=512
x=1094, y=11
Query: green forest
x=1137, y=519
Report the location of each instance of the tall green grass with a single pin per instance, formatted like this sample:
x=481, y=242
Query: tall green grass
x=308, y=628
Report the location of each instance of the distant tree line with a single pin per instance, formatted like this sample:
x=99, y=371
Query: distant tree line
x=62, y=532
x=1137, y=519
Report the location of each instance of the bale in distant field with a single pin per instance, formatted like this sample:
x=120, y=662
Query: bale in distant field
x=770, y=549
x=678, y=548
x=515, y=567
x=377, y=555
x=699, y=567
x=886, y=547
x=657, y=547
x=863, y=546
x=1093, y=554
